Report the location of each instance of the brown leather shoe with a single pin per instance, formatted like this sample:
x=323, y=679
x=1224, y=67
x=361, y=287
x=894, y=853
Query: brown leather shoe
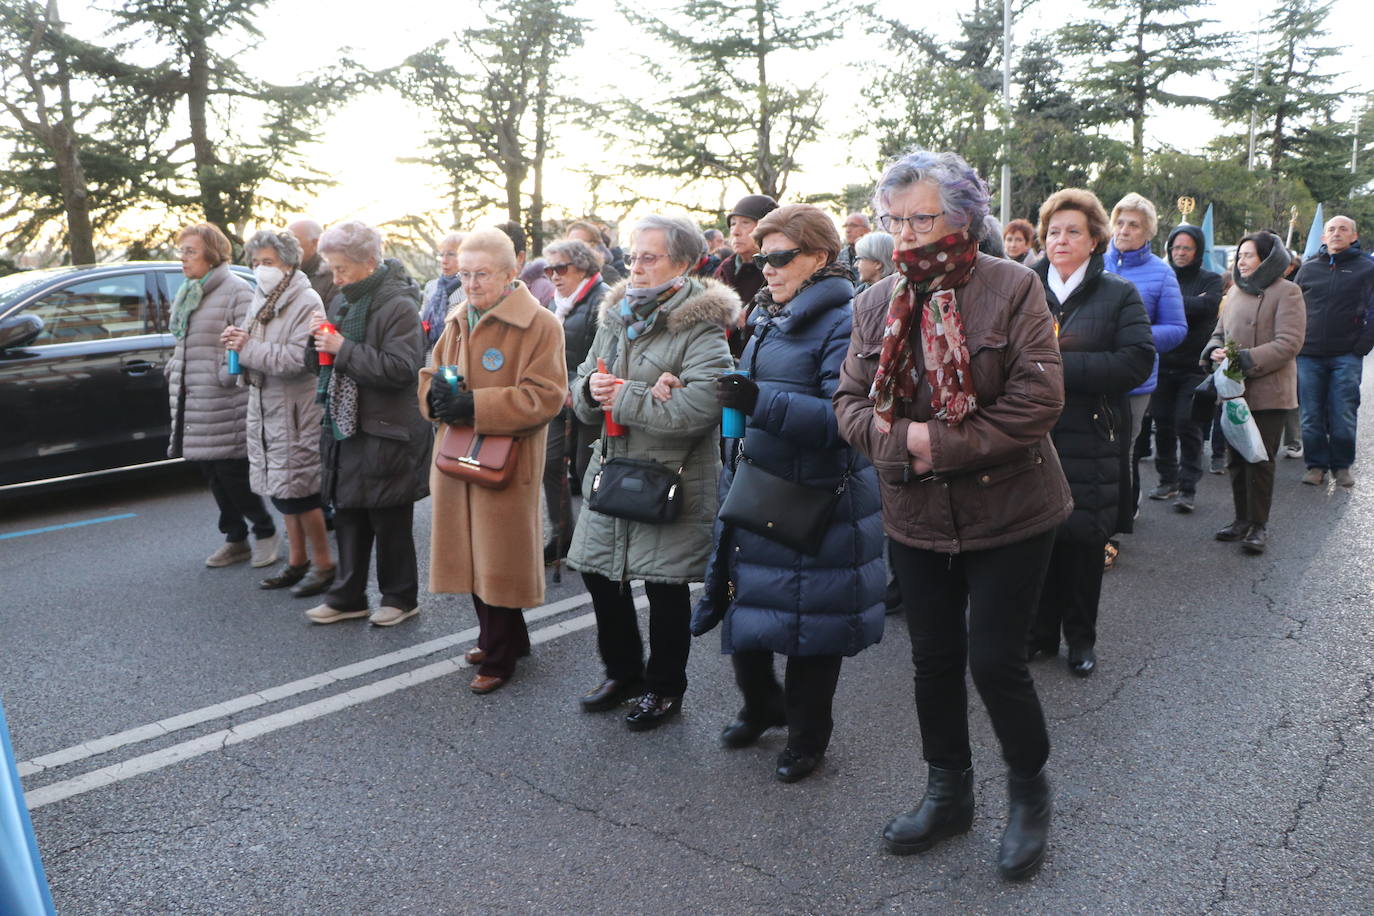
x=475, y=656
x=485, y=683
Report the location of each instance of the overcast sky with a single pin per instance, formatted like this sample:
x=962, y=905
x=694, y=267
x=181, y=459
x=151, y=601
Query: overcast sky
x=361, y=144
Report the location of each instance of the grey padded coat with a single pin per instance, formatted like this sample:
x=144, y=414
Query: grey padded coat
x=283, y=418
x=209, y=408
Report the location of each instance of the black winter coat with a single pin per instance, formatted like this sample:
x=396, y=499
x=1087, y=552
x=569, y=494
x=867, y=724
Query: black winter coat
x=386, y=462
x=1108, y=350
x=1339, y=292
x=1201, y=300
x=579, y=326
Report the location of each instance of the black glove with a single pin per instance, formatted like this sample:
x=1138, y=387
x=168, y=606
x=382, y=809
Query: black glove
x=737, y=391
x=1247, y=362
x=449, y=407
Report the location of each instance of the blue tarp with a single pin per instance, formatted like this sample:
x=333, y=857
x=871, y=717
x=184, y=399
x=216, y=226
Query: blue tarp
x=23, y=887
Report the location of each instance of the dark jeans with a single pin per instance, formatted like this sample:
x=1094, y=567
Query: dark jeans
x=1252, y=485
x=1073, y=589
x=502, y=635
x=579, y=451
x=238, y=504
x=397, y=575
x=1329, y=392
x=999, y=588
x=617, y=633
x=805, y=700
x=1178, y=439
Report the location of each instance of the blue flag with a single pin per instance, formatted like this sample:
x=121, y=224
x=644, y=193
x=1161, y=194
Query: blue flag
x=1314, y=235
x=23, y=887
x=1209, y=256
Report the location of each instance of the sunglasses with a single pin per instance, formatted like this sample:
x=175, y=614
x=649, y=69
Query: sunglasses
x=559, y=269
x=776, y=258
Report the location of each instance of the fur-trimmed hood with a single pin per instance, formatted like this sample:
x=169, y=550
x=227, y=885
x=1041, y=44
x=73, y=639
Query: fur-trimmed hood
x=706, y=300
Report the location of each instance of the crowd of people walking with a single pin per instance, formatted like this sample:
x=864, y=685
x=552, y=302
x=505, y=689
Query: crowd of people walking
x=785, y=414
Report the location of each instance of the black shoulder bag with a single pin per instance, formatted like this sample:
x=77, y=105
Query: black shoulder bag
x=637, y=489
x=792, y=514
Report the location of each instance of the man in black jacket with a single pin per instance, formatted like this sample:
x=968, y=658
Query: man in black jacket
x=1178, y=438
x=1338, y=287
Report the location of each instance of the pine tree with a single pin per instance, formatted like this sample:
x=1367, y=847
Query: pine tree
x=1132, y=51
x=1287, y=85
x=491, y=91
x=729, y=118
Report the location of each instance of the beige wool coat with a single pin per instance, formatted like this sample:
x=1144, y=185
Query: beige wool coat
x=1271, y=326
x=483, y=542
x=283, y=418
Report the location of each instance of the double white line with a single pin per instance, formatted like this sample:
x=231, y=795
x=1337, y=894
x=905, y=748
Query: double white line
x=255, y=728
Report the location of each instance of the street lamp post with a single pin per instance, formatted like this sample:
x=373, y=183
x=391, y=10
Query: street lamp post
x=1006, y=112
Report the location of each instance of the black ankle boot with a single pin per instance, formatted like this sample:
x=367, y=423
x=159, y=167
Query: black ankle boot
x=946, y=810
x=1028, y=826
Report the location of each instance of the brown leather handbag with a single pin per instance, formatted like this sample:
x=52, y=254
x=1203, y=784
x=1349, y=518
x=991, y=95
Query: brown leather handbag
x=487, y=461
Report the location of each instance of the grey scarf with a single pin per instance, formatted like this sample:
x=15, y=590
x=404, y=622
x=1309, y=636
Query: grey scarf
x=1270, y=269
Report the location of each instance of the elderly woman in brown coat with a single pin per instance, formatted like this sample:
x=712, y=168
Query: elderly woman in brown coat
x=209, y=408
x=951, y=386
x=488, y=542
x=283, y=416
x=1265, y=317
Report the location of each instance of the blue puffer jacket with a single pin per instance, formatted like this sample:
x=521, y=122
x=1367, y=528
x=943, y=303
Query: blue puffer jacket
x=769, y=596
x=1158, y=288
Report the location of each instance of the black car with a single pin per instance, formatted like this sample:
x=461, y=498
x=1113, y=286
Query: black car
x=82, y=359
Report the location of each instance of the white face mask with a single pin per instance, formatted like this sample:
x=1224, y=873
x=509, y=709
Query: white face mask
x=268, y=277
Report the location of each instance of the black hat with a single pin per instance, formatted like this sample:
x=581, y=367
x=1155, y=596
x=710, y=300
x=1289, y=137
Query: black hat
x=754, y=206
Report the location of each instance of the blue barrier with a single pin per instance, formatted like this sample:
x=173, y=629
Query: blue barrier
x=23, y=887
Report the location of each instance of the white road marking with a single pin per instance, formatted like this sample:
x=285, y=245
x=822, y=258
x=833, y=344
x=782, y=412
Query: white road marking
x=273, y=694
x=256, y=728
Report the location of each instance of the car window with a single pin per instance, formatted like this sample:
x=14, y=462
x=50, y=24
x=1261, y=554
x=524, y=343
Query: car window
x=95, y=310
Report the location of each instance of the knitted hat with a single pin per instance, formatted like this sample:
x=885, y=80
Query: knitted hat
x=753, y=206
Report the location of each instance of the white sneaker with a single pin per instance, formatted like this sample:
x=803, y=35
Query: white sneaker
x=229, y=553
x=265, y=551
x=390, y=616
x=1293, y=450
x=326, y=614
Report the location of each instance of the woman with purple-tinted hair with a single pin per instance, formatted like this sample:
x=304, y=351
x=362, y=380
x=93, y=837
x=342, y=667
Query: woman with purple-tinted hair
x=951, y=386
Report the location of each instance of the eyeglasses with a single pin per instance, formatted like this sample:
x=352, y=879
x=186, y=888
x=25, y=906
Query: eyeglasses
x=446, y=254
x=920, y=222
x=776, y=258
x=481, y=276
x=559, y=269
x=188, y=252
x=648, y=260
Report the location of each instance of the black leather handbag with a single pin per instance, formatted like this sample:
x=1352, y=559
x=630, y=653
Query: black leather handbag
x=792, y=514
x=1205, y=401
x=641, y=490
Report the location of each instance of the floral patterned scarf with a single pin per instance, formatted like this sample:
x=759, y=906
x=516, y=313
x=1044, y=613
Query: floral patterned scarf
x=927, y=279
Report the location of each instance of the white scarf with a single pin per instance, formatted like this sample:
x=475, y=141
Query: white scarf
x=563, y=306
x=1063, y=288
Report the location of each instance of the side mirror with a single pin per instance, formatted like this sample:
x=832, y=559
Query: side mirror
x=20, y=331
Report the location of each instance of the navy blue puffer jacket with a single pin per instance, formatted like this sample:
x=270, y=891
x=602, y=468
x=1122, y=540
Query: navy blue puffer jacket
x=1159, y=292
x=768, y=596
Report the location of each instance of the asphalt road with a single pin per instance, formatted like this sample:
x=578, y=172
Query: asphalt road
x=1220, y=761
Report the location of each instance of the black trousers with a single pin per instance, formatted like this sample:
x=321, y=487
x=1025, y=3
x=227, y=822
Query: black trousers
x=617, y=633
x=1073, y=589
x=577, y=448
x=1252, y=485
x=805, y=699
x=397, y=574
x=1178, y=438
x=238, y=504
x=972, y=610
x=502, y=635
